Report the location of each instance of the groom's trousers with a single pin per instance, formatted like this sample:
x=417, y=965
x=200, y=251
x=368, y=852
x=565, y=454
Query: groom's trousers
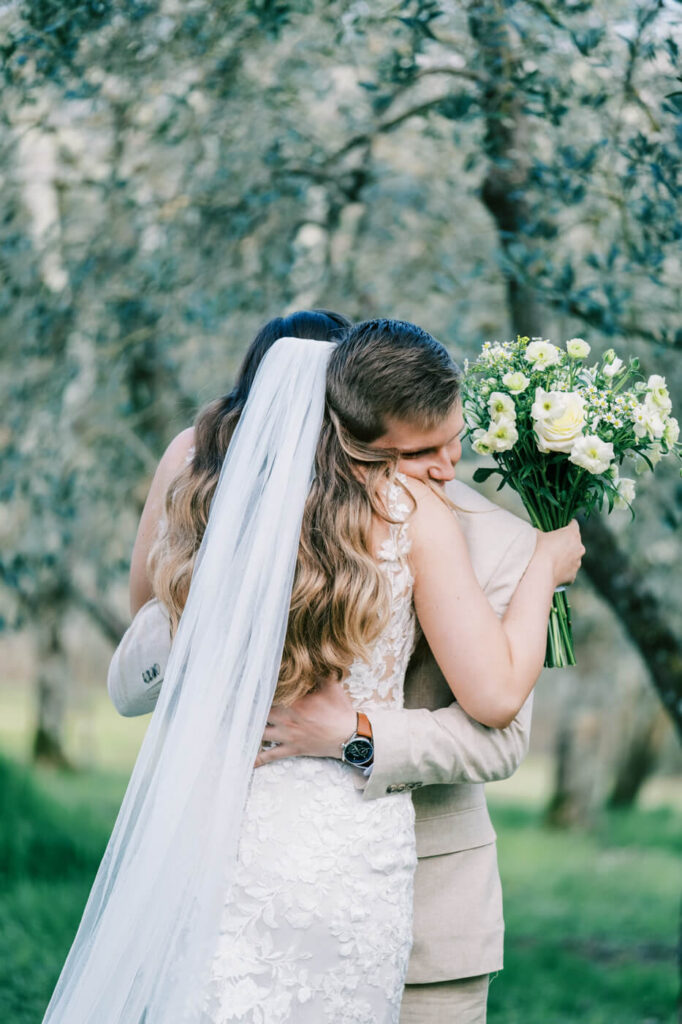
x=446, y=1002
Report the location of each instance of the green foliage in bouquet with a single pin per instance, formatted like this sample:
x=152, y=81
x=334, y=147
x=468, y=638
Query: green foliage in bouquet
x=559, y=431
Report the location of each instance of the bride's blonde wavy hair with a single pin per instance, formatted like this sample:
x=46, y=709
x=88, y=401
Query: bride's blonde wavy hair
x=381, y=370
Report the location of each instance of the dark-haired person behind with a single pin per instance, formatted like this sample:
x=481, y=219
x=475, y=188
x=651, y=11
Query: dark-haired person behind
x=431, y=746
x=200, y=450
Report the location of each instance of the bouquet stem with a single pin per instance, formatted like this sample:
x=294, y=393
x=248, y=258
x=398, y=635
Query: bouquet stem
x=560, y=652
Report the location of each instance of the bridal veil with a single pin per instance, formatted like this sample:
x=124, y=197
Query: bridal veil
x=151, y=921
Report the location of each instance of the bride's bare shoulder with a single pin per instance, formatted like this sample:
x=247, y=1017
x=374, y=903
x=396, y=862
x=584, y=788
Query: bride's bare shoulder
x=175, y=458
x=180, y=449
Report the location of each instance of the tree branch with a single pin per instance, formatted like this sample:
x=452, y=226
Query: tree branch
x=365, y=138
x=110, y=623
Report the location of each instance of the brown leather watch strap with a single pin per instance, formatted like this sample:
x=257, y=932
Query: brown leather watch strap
x=364, y=727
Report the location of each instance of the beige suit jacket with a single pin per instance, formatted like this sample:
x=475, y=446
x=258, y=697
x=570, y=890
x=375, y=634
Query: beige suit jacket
x=432, y=748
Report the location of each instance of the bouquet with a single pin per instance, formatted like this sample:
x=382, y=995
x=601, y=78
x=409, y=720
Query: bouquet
x=559, y=430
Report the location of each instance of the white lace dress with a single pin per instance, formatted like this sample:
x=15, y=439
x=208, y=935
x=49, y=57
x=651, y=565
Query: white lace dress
x=318, y=926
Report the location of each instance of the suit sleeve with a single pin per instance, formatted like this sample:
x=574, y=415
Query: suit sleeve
x=416, y=747
x=139, y=662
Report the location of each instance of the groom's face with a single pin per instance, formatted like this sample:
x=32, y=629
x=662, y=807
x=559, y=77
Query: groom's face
x=427, y=454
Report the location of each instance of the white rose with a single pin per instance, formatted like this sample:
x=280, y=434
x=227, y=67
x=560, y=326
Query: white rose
x=542, y=354
x=516, y=382
x=500, y=404
x=626, y=493
x=611, y=369
x=671, y=433
x=658, y=393
x=560, y=421
x=502, y=434
x=577, y=348
x=592, y=454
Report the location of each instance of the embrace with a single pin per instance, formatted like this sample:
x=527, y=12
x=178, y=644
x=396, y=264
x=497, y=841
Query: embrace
x=339, y=642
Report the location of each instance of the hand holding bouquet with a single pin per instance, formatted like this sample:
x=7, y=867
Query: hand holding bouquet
x=559, y=431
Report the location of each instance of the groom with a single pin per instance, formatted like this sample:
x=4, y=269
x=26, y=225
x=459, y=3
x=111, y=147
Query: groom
x=431, y=748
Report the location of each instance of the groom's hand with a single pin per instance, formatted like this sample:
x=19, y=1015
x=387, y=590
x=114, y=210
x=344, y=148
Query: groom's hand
x=315, y=725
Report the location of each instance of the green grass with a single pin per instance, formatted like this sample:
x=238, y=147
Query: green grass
x=591, y=916
x=591, y=919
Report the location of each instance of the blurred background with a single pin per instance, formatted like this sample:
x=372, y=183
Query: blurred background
x=175, y=172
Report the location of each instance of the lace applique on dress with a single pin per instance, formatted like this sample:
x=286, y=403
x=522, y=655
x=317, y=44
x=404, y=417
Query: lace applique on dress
x=318, y=926
x=379, y=681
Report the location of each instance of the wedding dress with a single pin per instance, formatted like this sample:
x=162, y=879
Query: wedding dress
x=317, y=927
x=227, y=894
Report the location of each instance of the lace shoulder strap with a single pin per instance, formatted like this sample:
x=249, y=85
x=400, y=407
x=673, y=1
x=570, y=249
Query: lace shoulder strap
x=397, y=545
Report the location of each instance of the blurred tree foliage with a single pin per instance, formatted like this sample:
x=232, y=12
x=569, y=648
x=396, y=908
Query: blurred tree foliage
x=174, y=172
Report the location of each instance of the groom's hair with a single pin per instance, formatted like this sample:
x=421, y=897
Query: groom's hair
x=341, y=601
x=393, y=369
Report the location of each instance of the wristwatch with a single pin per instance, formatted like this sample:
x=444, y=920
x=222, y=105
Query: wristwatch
x=359, y=749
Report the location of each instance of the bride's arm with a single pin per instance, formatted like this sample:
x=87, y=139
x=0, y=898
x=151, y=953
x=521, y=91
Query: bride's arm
x=490, y=666
x=172, y=461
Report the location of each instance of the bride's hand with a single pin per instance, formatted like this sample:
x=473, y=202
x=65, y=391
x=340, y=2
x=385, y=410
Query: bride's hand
x=564, y=549
x=313, y=726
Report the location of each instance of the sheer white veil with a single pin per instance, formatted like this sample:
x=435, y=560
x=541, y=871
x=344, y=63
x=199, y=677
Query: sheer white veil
x=151, y=921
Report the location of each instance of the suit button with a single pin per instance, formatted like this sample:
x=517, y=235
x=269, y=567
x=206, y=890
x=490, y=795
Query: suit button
x=413, y=785
x=397, y=787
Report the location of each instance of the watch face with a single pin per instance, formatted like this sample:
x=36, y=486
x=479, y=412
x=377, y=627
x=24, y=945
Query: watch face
x=358, y=751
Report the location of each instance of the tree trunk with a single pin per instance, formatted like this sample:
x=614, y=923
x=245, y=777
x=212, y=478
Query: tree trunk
x=581, y=753
x=502, y=191
x=639, y=759
x=640, y=611
x=52, y=687
x=606, y=563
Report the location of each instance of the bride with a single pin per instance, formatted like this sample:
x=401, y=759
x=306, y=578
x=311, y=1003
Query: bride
x=280, y=895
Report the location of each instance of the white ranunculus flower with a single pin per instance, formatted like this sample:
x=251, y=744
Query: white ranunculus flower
x=577, y=348
x=592, y=454
x=499, y=352
x=500, y=404
x=542, y=354
x=626, y=493
x=559, y=419
x=503, y=434
x=611, y=369
x=671, y=432
x=481, y=442
x=639, y=420
x=658, y=393
x=654, y=417
x=516, y=382
x=547, y=404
